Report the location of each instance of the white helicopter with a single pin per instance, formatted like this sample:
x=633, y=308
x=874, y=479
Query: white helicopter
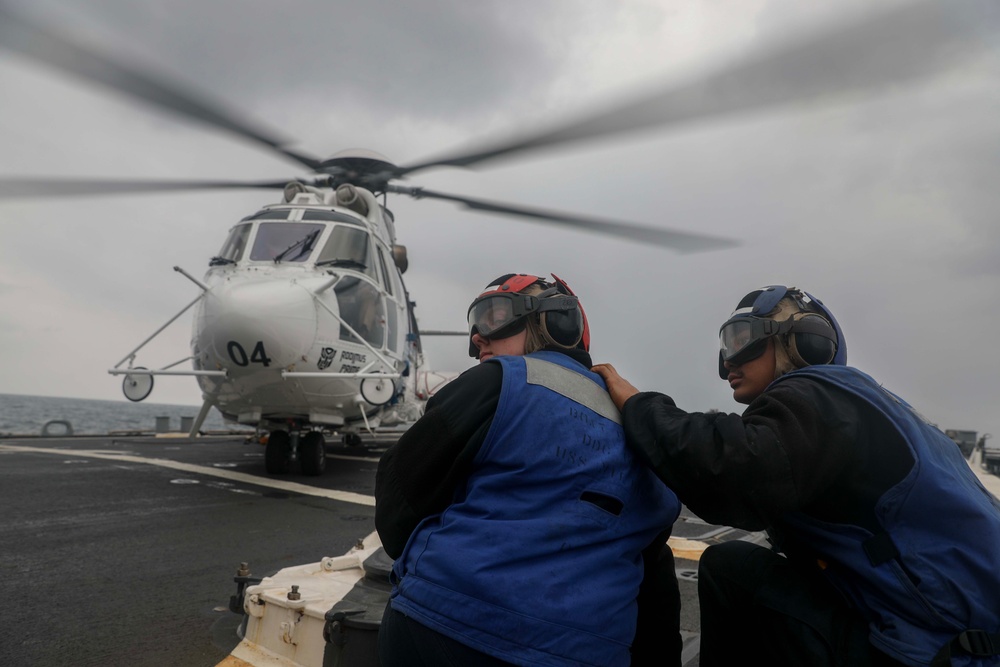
x=303, y=322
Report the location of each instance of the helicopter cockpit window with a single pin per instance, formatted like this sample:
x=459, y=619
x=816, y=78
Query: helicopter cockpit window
x=315, y=214
x=349, y=248
x=285, y=241
x=232, y=249
x=362, y=308
x=270, y=214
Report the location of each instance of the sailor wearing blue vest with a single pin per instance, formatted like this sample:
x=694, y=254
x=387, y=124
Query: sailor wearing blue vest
x=520, y=523
x=886, y=547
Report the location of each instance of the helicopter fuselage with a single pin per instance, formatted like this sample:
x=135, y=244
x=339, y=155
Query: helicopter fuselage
x=306, y=313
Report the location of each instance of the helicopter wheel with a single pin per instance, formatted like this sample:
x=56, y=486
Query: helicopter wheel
x=278, y=453
x=312, y=453
x=352, y=439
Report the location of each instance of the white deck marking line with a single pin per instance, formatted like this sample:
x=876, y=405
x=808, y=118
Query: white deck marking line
x=342, y=457
x=294, y=487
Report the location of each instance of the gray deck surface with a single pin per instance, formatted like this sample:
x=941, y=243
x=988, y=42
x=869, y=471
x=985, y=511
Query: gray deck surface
x=121, y=550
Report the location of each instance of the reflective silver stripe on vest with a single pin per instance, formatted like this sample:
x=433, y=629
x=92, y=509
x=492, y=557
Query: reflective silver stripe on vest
x=573, y=386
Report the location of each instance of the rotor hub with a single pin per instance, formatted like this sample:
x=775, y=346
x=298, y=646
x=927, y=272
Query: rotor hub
x=359, y=166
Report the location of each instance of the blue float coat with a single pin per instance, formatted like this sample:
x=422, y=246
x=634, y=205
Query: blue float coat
x=935, y=570
x=537, y=560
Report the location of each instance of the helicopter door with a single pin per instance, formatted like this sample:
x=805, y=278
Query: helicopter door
x=394, y=306
x=361, y=304
x=362, y=307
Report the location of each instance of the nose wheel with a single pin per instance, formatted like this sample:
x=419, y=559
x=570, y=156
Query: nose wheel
x=282, y=448
x=312, y=453
x=278, y=453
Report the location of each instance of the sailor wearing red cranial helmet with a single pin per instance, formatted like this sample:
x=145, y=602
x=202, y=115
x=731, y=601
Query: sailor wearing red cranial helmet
x=514, y=509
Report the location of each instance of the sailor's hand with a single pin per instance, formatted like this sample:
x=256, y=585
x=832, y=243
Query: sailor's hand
x=620, y=389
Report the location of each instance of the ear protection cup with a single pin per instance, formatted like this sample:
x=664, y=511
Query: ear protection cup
x=562, y=327
x=583, y=341
x=473, y=350
x=815, y=348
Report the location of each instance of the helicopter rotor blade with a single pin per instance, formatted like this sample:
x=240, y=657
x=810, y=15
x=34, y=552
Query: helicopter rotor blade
x=683, y=242
x=61, y=52
x=904, y=44
x=11, y=188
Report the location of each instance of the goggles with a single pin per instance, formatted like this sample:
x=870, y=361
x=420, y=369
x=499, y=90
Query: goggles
x=500, y=315
x=744, y=338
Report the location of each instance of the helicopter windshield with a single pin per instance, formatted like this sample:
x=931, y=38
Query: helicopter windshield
x=347, y=247
x=285, y=241
x=232, y=249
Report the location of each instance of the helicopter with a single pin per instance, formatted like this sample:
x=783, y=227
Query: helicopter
x=302, y=321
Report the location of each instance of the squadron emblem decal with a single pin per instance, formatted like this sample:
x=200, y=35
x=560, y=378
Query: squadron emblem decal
x=326, y=358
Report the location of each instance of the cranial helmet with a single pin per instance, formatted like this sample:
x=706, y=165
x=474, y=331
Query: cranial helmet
x=511, y=301
x=805, y=329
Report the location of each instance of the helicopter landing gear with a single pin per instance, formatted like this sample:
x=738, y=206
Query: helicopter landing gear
x=352, y=440
x=312, y=453
x=278, y=453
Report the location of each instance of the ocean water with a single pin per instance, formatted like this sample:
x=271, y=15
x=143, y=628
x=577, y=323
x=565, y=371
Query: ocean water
x=27, y=415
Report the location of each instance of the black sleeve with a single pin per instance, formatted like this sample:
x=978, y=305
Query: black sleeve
x=418, y=476
x=790, y=446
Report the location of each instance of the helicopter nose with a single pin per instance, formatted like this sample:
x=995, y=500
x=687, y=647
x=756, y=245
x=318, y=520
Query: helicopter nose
x=252, y=326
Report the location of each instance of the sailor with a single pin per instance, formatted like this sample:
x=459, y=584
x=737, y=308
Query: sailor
x=885, y=544
x=520, y=523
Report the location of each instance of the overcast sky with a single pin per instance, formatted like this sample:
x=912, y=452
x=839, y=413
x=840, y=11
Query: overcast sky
x=884, y=205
